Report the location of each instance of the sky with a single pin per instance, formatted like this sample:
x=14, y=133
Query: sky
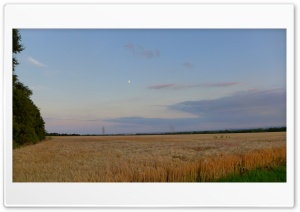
x=155, y=80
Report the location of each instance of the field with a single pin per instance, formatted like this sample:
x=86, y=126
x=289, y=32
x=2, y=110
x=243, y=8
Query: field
x=147, y=158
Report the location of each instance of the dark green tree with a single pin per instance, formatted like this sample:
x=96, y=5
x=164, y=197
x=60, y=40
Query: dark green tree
x=28, y=125
x=17, y=46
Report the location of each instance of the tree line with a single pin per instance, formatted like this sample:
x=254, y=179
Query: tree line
x=62, y=134
x=254, y=130
x=28, y=124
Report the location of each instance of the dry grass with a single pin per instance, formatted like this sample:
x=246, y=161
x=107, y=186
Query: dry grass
x=155, y=158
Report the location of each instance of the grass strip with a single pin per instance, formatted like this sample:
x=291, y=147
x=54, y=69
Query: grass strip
x=266, y=174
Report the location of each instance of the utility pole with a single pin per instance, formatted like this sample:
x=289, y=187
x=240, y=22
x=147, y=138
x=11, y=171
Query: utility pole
x=103, y=130
x=171, y=128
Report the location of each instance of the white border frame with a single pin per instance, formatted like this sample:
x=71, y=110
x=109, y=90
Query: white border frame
x=148, y=194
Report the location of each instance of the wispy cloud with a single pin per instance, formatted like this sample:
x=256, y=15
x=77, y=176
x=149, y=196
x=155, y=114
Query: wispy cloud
x=140, y=51
x=35, y=62
x=188, y=65
x=73, y=119
x=242, y=106
x=220, y=84
x=247, y=109
x=192, y=85
x=161, y=86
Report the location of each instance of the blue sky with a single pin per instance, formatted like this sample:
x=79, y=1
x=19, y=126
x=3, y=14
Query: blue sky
x=146, y=80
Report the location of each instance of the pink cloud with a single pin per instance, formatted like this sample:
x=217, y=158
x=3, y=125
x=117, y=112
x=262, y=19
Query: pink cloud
x=185, y=86
x=221, y=84
x=161, y=86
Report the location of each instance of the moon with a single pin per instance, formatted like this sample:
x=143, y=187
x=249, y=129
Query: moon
x=129, y=81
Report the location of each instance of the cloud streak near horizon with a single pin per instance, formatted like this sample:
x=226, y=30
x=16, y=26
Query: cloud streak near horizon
x=247, y=109
x=184, y=86
x=246, y=105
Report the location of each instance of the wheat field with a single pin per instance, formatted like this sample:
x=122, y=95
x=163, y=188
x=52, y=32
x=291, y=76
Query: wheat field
x=147, y=158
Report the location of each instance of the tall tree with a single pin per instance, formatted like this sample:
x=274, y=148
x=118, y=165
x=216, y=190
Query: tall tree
x=28, y=125
x=17, y=46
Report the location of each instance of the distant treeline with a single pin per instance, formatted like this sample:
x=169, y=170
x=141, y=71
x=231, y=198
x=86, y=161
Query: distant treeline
x=62, y=134
x=73, y=134
x=255, y=130
x=271, y=129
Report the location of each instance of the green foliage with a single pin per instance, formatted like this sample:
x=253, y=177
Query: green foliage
x=28, y=125
x=267, y=174
x=17, y=46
